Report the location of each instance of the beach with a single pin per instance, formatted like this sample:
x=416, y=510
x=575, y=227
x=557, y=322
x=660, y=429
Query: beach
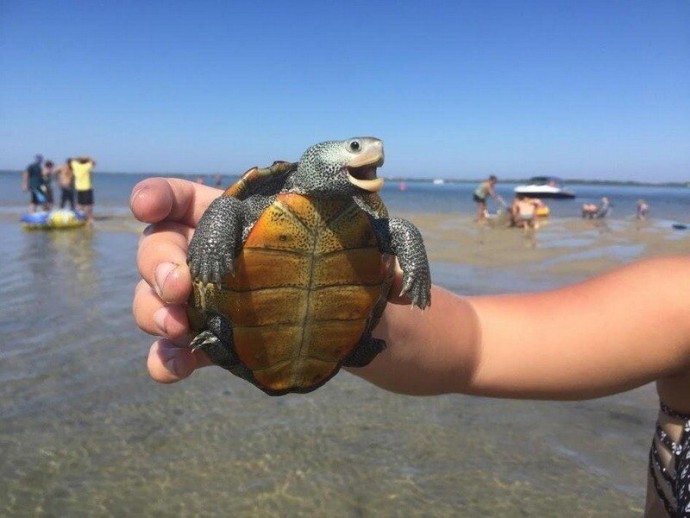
x=85, y=432
x=563, y=250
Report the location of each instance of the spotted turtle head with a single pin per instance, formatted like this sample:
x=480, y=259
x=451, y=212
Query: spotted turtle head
x=345, y=167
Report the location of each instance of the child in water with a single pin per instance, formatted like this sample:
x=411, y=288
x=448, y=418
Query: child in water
x=568, y=347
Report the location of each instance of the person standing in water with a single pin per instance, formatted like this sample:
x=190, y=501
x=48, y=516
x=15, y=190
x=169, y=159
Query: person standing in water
x=65, y=179
x=480, y=195
x=48, y=173
x=642, y=209
x=82, y=168
x=32, y=181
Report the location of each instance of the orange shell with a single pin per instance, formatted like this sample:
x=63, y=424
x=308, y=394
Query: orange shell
x=308, y=282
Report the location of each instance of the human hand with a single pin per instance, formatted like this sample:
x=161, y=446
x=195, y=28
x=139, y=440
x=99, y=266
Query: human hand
x=173, y=208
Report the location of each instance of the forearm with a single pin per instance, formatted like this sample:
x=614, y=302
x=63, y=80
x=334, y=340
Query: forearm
x=428, y=352
x=610, y=334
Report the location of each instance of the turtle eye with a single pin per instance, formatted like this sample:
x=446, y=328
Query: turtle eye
x=355, y=145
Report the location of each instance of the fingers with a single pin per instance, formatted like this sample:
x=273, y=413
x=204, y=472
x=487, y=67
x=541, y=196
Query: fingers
x=170, y=359
x=155, y=317
x=162, y=261
x=171, y=199
x=168, y=362
x=174, y=208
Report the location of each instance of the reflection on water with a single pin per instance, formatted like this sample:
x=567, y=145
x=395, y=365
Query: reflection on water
x=70, y=255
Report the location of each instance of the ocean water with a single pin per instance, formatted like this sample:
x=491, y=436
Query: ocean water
x=667, y=203
x=85, y=432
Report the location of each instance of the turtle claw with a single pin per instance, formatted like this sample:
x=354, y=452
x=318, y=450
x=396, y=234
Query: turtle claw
x=210, y=270
x=203, y=339
x=418, y=289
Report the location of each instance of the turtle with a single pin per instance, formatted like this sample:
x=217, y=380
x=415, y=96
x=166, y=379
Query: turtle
x=292, y=268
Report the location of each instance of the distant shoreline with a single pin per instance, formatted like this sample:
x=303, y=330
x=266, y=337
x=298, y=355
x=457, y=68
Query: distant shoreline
x=631, y=183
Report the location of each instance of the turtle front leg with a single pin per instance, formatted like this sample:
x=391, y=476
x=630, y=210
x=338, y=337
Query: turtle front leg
x=402, y=239
x=216, y=240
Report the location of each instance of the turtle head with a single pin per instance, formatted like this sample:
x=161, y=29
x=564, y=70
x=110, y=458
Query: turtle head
x=343, y=167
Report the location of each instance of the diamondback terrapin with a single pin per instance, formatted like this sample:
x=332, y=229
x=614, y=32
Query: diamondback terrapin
x=292, y=267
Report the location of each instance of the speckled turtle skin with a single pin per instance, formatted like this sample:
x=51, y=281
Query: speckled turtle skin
x=293, y=264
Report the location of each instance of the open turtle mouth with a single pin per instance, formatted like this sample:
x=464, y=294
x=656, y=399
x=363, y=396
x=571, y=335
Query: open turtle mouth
x=365, y=177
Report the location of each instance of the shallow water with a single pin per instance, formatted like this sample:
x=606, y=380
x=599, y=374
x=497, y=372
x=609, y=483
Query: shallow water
x=667, y=203
x=85, y=432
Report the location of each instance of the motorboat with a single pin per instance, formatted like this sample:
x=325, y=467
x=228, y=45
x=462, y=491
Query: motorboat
x=544, y=187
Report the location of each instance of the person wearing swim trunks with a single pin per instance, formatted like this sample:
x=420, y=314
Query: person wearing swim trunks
x=525, y=213
x=48, y=173
x=480, y=195
x=32, y=181
x=82, y=168
x=65, y=179
x=567, y=348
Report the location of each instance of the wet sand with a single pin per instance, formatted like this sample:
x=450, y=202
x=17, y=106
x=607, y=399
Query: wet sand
x=457, y=239
x=560, y=251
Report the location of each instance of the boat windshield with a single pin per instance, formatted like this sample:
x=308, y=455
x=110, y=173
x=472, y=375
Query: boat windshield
x=546, y=180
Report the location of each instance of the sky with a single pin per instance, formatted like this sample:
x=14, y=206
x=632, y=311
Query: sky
x=585, y=89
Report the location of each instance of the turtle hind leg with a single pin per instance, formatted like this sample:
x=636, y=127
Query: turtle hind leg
x=216, y=341
x=366, y=350
x=216, y=350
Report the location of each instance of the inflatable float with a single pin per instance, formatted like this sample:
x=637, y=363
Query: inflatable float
x=53, y=220
x=542, y=211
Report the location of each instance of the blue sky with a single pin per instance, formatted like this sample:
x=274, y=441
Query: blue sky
x=583, y=89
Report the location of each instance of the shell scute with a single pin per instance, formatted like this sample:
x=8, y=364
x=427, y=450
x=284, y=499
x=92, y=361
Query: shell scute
x=357, y=266
x=264, y=307
x=279, y=340
x=258, y=268
x=345, y=303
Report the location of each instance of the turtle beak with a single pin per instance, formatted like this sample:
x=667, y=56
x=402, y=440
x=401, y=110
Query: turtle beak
x=361, y=171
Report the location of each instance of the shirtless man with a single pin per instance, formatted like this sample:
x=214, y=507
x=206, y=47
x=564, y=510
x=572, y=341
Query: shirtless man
x=65, y=178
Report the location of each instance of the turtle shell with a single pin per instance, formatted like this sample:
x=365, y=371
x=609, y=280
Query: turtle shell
x=308, y=283
x=270, y=180
x=261, y=180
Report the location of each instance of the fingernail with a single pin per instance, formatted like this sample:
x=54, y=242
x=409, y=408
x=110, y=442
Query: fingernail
x=163, y=271
x=171, y=365
x=138, y=189
x=160, y=317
